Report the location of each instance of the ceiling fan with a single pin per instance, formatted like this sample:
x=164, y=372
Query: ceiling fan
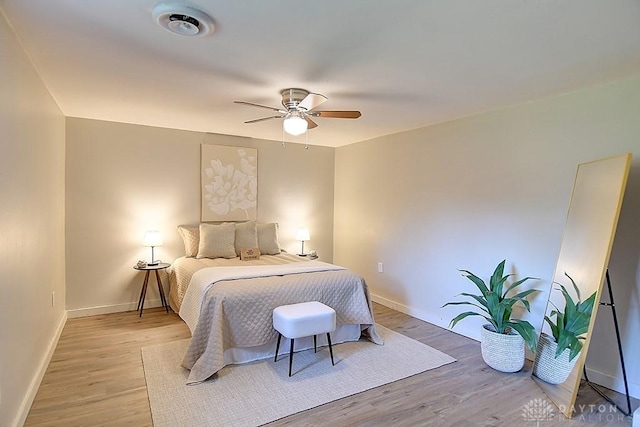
x=298, y=110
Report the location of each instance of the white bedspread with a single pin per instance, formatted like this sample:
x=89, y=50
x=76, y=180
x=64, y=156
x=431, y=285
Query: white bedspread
x=203, y=279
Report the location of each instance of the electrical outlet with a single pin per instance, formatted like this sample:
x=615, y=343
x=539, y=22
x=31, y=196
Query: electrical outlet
x=380, y=267
x=53, y=299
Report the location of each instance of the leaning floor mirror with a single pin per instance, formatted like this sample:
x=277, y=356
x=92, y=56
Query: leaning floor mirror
x=578, y=278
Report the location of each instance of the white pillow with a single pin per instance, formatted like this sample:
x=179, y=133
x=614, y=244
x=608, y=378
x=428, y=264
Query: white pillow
x=246, y=236
x=268, y=238
x=217, y=241
x=191, y=238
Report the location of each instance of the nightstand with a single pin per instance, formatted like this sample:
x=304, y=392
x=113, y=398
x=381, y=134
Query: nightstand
x=143, y=293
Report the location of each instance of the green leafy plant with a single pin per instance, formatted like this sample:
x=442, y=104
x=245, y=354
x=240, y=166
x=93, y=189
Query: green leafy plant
x=496, y=307
x=570, y=326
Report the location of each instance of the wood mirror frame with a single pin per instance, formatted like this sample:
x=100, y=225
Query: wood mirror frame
x=584, y=253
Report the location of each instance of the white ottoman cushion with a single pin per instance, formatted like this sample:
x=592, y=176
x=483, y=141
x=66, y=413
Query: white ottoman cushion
x=304, y=319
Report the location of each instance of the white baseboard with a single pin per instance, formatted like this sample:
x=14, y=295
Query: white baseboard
x=613, y=383
x=408, y=310
x=473, y=333
x=29, y=397
x=605, y=380
x=115, y=308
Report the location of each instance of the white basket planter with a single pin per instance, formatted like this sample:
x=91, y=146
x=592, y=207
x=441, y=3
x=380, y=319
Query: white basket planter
x=504, y=353
x=549, y=368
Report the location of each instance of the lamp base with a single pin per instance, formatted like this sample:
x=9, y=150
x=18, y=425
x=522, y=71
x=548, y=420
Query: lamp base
x=153, y=264
x=302, y=254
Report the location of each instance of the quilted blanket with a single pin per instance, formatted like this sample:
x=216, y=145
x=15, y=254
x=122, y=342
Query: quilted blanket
x=183, y=269
x=238, y=313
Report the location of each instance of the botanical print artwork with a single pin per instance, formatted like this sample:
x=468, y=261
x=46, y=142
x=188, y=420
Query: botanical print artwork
x=229, y=183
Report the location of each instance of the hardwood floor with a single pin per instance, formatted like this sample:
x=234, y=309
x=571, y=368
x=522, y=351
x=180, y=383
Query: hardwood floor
x=96, y=378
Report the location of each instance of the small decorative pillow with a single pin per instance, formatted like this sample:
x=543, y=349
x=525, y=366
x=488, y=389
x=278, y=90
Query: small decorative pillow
x=246, y=236
x=217, y=241
x=268, y=238
x=191, y=238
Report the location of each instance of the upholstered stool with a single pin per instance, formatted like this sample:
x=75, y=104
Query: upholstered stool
x=303, y=320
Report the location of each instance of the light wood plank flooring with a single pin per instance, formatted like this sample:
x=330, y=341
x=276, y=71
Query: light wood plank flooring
x=96, y=378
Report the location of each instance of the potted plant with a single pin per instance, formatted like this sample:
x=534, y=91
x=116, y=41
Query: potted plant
x=558, y=353
x=503, y=338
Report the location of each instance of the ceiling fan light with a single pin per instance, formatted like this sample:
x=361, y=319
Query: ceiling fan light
x=295, y=124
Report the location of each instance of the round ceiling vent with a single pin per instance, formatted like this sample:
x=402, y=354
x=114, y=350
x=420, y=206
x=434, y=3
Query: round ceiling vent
x=183, y=20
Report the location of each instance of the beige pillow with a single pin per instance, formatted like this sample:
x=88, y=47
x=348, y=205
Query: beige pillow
x=217, y=241
x=191, y=238
x=246, y=236
x=268, y=238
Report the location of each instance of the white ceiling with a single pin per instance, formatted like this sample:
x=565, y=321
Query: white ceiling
x=404, y=64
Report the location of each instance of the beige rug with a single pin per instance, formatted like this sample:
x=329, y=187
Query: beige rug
x=260, y=392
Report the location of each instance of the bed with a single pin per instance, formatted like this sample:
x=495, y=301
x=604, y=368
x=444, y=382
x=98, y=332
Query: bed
x=228, y=302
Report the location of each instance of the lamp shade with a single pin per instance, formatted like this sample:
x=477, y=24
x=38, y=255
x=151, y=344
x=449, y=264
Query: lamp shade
x=152, y=238
x=294, y=123
x=303, y=235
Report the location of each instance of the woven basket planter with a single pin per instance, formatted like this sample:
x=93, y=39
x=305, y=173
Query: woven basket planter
x=549, y=368
x=503, y=352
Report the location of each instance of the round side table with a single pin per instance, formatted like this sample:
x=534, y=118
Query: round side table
x=143, y=292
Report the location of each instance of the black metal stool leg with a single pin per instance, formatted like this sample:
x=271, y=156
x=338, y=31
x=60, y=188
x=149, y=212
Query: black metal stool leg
x=290, y=356
x=315, y=347
x=330, y=348
x=277, y=347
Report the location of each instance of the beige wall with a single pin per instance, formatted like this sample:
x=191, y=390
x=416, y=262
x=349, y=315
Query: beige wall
x=124, y=179
x=463, y=194
x=31, y=226
x=469, y=193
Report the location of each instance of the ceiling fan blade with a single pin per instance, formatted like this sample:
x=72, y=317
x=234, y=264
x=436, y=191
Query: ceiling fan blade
x=261, y=106
x=311, y=101
x=263, y=119
x=337, y=114
x=310, y=123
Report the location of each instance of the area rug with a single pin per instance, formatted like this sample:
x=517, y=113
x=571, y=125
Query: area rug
x=260, y=392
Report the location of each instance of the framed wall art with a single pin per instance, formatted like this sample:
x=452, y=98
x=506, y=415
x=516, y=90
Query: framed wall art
x=229, y=183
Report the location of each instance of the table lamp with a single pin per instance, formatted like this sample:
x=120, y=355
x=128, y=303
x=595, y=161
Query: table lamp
x=152, y=238
x=303, y=236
